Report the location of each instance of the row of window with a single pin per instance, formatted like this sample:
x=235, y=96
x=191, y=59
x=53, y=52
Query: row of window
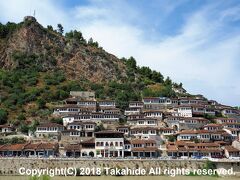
x=48, y=129
x=109, y=144
x=80, y=127
x=148, y=122
x=143, y=132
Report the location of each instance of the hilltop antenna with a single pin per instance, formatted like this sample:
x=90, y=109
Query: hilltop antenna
x=34, y=13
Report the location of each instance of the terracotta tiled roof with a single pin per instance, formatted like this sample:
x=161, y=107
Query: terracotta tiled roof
x=144, y=149
x=28, y=146
x=81, y=122
x=172, y=148
x=89, y=141
x=210, y=150
x=31, y=146
x=5, y=126
x=188, y=132
x=16, y=147
x=68, y=106
x=47, y=146
x=144, y=128
x=73, y=147
x=231, y=149
x=142, y=141
x=50, y=125
x=123, y=126
x=166, y=128
x=213, y=125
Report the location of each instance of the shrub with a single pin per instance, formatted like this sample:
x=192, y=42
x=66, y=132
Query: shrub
x=41, y=103
x=21, y=117
x=3, y=116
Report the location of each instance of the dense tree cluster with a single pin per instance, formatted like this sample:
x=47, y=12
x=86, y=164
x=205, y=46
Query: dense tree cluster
x=76, y=36
x=14, y=140
x=30, y=83
x=7, y=29
x=3, y=116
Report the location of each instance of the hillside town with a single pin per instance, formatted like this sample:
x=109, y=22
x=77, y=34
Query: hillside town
x=156, y=127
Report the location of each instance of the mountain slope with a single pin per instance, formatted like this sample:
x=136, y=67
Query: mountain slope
x=54, y=50
x=39, y=66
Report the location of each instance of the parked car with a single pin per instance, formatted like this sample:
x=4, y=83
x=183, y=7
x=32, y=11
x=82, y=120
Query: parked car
x=197, y=157
x=234, y=158
x=184, y=157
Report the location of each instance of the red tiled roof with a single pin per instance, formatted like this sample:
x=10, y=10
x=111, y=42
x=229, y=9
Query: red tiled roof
x=142, y=141
x=89, y=141
x=231, y=149
x=145, y=149
x=73, y=147
x=16, y=147
x=47, y=146
x=50, y=125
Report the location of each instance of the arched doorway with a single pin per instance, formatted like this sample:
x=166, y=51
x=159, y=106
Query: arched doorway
x=91, y=154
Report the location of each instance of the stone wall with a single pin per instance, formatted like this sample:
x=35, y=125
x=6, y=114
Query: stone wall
x=10, y=166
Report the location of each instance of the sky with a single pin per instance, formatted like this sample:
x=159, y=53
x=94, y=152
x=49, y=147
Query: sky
x=196, y=42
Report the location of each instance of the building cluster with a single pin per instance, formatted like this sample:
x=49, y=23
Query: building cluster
x=182, y=127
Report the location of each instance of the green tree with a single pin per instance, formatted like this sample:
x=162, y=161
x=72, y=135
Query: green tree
x=168, y=81
x=171, y=138
x=3, y=116
x=131, y=63
x=60, y=28
x=21, y=117
x=57, y=120
x=76, y=36
x=99, y=128
x=210, y=165
x=92, y=43
x=33, y=126
x=49, y=27
x=41, y=103
x=157, y=77
x=24, y=128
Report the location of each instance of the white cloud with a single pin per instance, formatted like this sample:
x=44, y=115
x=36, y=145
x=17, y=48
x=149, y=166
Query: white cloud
x=199, y=56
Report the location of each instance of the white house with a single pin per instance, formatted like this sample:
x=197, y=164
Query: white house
x=80, y=117
x=109, y=144
x=48, y=129
x=144, y=132
x=6, y=128
x=183, y=111
x=106, y=103
x=132, y=111
x=86, y=127
x=153, y=114
x=136, y=104
x=143, y=122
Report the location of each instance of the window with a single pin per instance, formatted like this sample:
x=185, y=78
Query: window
x=145, y=132
x=153, y=132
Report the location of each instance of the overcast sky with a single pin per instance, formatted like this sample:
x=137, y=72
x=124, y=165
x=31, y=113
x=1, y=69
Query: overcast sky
x=195, y=42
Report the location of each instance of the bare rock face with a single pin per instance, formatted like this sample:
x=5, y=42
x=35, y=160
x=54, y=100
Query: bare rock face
x=51, y=50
